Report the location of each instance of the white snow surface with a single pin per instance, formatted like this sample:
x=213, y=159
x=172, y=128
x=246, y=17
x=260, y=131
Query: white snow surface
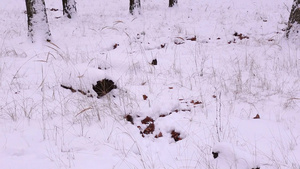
x=208, y=90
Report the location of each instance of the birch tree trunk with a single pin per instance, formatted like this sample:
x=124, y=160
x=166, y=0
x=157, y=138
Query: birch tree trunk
x=294, y=20
x=69, y=8
x=134, y=5
x=38, y=28
x=172, y=3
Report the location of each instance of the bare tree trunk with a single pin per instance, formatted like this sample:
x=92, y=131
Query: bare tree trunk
x=133, y=5
x=69, y=8
x=294, y=19
x=172, y=3
x=38, y=28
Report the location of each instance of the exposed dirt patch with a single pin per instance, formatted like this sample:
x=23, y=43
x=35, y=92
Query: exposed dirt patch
x=87, y=93
x=149, y=126
x=150, y=129
x=147, y=120
x=158, y=135
x=69, y=88
x=187, y=104
x=195, y=102
x=154, y=62
x=239, y=36
x=215, y=154
x=194, y=38
x=103, y=87
x=115, y=45
x=145, y=97
x=256, y=117
x=129, y=118
x=175, y=135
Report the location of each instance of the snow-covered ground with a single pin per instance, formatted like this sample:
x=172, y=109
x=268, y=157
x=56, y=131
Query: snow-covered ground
x=219, y=65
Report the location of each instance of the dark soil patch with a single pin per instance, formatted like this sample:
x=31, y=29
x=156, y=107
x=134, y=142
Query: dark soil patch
x=175, y=111
x=129, y=118
x=74, y=90
x=69, y=88
x=215, y=154
x=115, y=46
x=158, y=135
x=175, y=135
x=147, y=120
x=150, y=129
x=240, y=36
x=196, y=102
x=103, y=87
x=194, y=38
x=154, y=62
x=148, y=126
x=256, y=117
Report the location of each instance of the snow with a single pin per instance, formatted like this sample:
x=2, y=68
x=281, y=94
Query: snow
x=207, y=90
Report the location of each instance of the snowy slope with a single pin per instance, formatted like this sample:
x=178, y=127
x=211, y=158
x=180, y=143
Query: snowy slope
x=219, y=65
